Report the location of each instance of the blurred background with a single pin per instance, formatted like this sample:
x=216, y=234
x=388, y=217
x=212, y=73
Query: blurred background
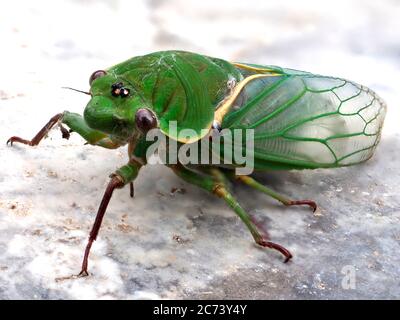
x=355, y=39
x=48, y=195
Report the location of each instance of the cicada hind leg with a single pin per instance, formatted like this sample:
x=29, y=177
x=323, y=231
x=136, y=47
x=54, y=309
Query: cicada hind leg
x=281, y=198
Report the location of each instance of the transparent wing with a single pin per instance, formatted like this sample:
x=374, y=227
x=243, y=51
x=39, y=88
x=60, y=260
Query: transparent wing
x=305, y=119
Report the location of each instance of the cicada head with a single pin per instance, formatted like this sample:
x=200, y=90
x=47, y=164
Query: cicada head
x=116, y=107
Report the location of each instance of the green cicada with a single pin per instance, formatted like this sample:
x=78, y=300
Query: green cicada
x=299, y=120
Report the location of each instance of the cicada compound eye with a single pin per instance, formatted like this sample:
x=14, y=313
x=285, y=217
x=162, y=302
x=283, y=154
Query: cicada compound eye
x=96, y=74
x=145, y=120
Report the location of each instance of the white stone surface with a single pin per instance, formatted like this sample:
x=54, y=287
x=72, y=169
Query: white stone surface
x=49, y=194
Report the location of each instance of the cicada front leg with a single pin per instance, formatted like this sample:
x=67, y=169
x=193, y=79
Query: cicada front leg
x=77, y=124
x=42, y=133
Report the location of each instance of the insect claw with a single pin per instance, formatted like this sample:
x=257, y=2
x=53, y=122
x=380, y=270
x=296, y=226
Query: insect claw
x=11, y=141
x=83, y=273
x=18, y=139
x=310, y=203
x=287, y=259
x=277, y=247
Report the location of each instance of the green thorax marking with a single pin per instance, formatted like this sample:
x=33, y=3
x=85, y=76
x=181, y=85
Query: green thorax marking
x=179, y=86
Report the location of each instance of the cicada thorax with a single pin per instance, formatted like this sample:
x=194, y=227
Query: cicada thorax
x=182, y=88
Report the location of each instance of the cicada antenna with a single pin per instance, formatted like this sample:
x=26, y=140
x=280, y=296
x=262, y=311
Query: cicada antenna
x=69, y=88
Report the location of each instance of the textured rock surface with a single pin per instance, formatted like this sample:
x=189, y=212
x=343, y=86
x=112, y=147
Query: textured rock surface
x=190, y=245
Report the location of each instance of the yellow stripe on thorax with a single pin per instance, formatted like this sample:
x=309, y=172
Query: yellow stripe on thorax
x=256, y=69
x=226, y=104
